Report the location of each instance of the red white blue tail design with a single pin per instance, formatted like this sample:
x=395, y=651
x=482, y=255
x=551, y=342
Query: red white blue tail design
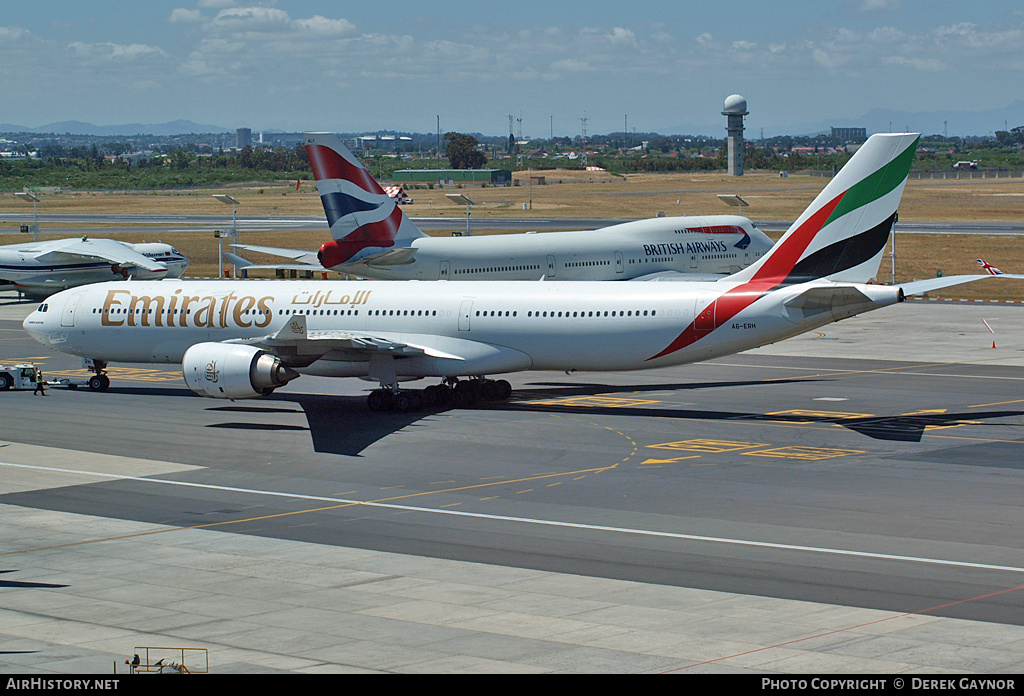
x=989, y=268
x=364, y=220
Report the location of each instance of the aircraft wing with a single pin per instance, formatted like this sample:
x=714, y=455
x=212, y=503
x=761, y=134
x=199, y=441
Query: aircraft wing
x=677, y=277
x=104, y=249
x=297, y=346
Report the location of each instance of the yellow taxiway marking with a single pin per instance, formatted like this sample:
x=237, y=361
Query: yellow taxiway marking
x=998, y=403
x=126, y=373
x=706, y=446
x=803, y=453
x=597, y=401
x=815, y=414
x=669, y=461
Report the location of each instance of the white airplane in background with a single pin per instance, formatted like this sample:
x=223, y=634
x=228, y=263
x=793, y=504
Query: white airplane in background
x=239, y=339
x=40, y=269
x=373, y=238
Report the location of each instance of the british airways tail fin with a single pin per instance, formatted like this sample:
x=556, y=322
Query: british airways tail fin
x=842, y=234
x=364, y=220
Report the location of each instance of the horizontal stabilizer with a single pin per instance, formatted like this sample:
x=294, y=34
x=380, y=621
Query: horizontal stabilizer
x=395, y=257
x=826, y=297
x=238, y=261
x=248, y=265
x=298, y=255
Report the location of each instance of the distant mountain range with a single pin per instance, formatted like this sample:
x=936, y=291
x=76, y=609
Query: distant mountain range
x=178, y=127
x=951, y=122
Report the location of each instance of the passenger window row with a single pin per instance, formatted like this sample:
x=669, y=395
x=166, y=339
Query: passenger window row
x=319, y=312
x=577, y=314
x=496, y=269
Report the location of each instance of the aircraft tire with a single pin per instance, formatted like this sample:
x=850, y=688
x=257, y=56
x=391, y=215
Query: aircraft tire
x=466, y=393
x=99, y=383
x=379, y=400
x=407, y=401
x=503, y=389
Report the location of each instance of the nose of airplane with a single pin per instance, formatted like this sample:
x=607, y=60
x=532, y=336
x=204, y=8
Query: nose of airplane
x=36, y=324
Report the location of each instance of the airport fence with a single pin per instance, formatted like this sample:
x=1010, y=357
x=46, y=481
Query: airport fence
x=994, y=173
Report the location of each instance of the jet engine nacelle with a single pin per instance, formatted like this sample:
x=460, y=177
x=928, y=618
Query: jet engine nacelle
x=228, y=371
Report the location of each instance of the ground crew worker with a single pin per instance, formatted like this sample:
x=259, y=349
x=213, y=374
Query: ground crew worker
x=39, y=384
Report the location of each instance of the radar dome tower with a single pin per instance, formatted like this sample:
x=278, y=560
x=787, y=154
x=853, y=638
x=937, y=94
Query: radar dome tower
x=735, y=109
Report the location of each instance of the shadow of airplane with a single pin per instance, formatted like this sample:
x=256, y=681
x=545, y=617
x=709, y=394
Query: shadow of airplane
x=343, y=424
x=23, y=585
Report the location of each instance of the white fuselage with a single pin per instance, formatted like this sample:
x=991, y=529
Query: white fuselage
x=469, y=328
x=712, y=244
x=40, y=278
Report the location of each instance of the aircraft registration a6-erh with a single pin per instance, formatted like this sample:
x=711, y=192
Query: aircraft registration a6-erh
x=373, y=238
x=39, y=269
x=238, y=339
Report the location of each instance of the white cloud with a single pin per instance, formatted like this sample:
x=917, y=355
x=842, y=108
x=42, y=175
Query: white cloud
x=324, y=26
x=180, y=15
x=571, y=65
x=621, y=37
x=114, y=51
x=13, y=33
x=925, y=64
x=251, y=18
x=879, y=5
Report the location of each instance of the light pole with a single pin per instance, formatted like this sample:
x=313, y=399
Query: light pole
x=227, y=200
x=25, y=196
x=459, y=199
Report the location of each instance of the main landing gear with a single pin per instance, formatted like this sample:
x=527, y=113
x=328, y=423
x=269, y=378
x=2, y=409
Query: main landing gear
x=451, y=392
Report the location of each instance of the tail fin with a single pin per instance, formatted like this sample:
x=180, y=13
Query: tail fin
x=842, y=234
x=364, y=220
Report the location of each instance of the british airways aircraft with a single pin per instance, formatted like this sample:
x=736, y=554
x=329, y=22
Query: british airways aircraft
x=373, y=238
x=39, y=269
x=239, y=339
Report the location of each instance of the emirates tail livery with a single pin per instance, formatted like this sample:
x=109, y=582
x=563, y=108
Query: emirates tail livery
x=243, y=338
x=373, y=238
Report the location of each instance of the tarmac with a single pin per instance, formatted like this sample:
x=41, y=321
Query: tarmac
x=80, y=594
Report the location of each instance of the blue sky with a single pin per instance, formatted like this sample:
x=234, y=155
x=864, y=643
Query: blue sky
x=656, y=65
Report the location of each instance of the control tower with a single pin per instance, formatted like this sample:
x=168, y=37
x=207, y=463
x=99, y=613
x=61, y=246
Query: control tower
x=735, y=109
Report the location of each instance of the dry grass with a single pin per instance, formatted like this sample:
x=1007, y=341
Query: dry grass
x=598, y=195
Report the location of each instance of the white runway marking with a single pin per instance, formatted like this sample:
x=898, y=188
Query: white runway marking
x=532, y=521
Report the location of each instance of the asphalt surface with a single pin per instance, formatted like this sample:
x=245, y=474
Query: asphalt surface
x=872, y=466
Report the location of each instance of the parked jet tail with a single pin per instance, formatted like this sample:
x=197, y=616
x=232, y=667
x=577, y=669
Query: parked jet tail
x=364, y=220
x=840, y=238
x=842, y=234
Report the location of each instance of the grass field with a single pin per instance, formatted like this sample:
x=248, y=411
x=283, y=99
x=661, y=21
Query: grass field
x=599, y=195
